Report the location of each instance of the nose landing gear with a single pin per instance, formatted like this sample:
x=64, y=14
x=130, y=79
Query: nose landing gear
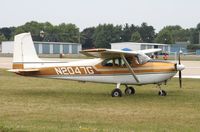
x=161, y=92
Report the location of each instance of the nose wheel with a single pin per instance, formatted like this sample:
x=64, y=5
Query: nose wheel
x=161, y=92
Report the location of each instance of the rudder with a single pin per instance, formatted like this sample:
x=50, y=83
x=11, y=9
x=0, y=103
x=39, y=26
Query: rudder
x=24, y=50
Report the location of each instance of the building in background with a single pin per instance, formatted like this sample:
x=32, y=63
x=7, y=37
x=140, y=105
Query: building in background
x=179, y=46
x=47, y=47
x=7, y=46
x=140, y=46
x=57, y=47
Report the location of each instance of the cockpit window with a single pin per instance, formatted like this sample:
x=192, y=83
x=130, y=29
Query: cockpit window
x=115, y=62
x=142, y=58
x=134, y=60
x=107, y=62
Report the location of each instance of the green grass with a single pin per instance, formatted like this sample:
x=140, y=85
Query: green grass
x=38, y=105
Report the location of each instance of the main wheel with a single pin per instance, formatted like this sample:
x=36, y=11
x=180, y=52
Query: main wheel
x=162, y=93
x=116, y=93
x=129, y=91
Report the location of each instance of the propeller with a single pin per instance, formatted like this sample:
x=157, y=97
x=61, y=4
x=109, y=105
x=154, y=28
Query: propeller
x=180, y=74
x=179, y=68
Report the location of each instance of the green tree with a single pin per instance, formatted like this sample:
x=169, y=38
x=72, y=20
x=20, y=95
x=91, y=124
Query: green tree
x=198, y=27
x=63, y=32
x=164, y=37
x=198, y=30
x=147, y=33
x=127, y=32
x=172, y=28
x=33, y=27
x=68, y=33
x=7, y=32
x=106, y=34
x=136, y=37
x=86, y=38
x=194, y=36
x=178, y=33
x=181, y=35
x=2, y=38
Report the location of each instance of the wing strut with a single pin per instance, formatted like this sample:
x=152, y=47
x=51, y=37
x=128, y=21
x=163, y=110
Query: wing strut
x=129, y=67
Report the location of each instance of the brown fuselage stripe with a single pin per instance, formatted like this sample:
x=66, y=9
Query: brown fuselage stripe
x=103, y=70
x=17, y=66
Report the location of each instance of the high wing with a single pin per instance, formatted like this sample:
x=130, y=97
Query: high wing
x=148, y=51
x=108, y=53
x=105, y=53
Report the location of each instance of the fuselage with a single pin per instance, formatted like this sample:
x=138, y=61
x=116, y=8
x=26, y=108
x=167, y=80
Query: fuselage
x=106, y=70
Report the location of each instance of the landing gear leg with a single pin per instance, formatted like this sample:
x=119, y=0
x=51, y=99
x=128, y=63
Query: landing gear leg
x=129, y=90
x=117, y=92
x=161, y=92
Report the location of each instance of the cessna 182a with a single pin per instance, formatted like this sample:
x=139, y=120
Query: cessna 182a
x=109, y=66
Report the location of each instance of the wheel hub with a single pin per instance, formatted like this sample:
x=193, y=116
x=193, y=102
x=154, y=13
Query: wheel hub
x=116, y=93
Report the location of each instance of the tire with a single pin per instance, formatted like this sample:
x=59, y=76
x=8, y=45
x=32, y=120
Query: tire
x=116, y=93
x=162, y=93
x=129, y=91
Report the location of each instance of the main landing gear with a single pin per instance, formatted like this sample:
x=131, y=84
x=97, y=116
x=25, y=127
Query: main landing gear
x=129, y=90
x=118, y=93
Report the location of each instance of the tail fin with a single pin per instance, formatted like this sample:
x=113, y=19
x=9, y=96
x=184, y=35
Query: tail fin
x=24, y=51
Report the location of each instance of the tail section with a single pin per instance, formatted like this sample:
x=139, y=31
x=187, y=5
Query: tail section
x=24, y=51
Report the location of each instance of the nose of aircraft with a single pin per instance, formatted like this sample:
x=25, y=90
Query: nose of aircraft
x=180, y=67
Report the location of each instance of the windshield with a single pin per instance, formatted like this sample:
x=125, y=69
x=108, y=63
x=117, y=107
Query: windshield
x=142, y=58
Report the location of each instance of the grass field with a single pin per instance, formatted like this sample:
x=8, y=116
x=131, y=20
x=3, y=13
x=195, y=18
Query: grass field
x=38, y=105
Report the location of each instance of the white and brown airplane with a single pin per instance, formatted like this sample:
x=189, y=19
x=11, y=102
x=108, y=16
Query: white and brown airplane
x=109, y=66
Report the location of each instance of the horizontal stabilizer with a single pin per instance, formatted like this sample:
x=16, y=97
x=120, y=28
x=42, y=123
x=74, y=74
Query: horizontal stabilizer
x=24, y=70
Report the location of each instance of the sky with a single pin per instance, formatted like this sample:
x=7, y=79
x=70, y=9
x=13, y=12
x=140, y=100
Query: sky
x=88, y=13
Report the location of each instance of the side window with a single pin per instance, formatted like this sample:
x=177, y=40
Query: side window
x=130, y=60
x=115, y=62
x=123, y=63
x=137, y=61
x=107, y=62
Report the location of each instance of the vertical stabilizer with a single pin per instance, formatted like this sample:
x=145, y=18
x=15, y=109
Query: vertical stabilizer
x=24, y=50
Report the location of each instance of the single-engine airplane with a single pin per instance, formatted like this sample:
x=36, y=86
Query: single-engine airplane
x=109, y=66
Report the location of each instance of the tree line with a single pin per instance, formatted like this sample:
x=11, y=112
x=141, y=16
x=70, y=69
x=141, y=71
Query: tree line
x=102, y=35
